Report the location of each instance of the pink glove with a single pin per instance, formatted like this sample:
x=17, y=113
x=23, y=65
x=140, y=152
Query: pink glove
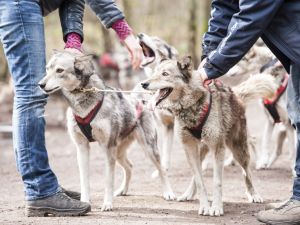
x=73, y=41
x=122, y=29
x=126, y=36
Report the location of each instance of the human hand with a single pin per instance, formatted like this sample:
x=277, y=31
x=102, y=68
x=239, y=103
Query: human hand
x=135, y=50
x=74, y=51
x=202, y=72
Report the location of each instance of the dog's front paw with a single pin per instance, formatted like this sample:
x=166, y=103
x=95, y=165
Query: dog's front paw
x=204, y=210
x=155, y=174
x=262, y=164
x=216, y=211
x=120, y=192
x=107, y=207
x=169, y=196
x=184, y=198
x=254, y=198
x=189, y=195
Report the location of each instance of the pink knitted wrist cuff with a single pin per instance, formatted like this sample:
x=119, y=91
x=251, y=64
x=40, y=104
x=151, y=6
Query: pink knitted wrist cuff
x=73, y=41
x=122, y=29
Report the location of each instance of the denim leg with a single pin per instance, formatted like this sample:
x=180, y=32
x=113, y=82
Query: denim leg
x=22, y=36
x=293, y=106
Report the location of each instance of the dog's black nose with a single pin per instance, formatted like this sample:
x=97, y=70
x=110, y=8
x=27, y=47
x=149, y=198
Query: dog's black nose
x=42, y=86
x=140, y=35
x=145, y=85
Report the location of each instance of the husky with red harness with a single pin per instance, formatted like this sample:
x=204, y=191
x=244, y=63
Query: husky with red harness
x=208, y=117
x=99, y=113
x=275, y=110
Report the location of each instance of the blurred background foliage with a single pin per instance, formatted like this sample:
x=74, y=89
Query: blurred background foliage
x=180, y=22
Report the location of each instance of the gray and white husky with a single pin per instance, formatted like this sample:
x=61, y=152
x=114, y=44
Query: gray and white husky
x=180, y=89
x=154, y=49
x=257, y=59
x=115, y=126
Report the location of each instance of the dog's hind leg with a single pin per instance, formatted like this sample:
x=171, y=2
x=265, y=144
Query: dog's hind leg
x=167, y=146
x=167, y=133
x=127, y=169
x=148, y=140
x=280, y=141
x=109, y=179
x=240, y=151
x=262, y=161
x=291, y=133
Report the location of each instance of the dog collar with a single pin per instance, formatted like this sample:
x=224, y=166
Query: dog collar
x=270, y=104
x=85, y=123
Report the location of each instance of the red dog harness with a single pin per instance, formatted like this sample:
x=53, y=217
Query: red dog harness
x=270, y=104
x=85, y=123
x=204, y=113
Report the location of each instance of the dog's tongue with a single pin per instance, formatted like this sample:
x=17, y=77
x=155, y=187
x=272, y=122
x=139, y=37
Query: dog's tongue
x=152, y=102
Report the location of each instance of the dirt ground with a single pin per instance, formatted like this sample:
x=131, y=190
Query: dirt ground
x=145, y=204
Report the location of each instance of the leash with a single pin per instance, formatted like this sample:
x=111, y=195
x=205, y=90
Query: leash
x=94, y=89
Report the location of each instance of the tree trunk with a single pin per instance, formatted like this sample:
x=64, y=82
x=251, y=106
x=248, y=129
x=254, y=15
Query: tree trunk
x=192, y=29
x=3, y=66
x=127, y=5
x=108, y=45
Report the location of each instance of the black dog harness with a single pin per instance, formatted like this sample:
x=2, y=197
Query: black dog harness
x=85, y=123
x=204, y=113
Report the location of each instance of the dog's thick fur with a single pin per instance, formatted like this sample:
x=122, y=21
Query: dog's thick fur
x=180, y=89
x=70, y=73
x=154, y=49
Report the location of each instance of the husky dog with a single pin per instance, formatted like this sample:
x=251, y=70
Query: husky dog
x=115, y=123
x=154, y=49
x=218, y=111
x=260, y=59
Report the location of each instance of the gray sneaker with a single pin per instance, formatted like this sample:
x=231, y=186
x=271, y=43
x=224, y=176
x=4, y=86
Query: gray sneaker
x=286, y=214
x=56, y=205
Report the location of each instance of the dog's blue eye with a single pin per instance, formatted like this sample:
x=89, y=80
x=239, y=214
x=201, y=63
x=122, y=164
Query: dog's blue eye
x=165, y=74
x=59, y=70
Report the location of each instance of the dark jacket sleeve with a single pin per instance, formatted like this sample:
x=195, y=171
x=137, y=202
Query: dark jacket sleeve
x=106, y=11
x=71, y=17
x=221, y=14
x=244, y=29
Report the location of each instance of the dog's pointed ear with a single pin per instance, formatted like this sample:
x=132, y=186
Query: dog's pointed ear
x=162, y=55
x=174, y=52
x=83, y=65
x=186, y=67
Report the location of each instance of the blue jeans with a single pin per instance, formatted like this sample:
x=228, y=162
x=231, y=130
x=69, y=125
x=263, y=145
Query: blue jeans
x=293, y=106
x=22, y=36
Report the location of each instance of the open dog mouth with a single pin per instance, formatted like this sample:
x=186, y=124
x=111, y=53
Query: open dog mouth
x=51, y=90
x=158, y=97
x=148, y=53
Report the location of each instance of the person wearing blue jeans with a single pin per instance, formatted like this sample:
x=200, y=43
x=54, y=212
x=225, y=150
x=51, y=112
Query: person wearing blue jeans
x=233, y=29
x=22, y=36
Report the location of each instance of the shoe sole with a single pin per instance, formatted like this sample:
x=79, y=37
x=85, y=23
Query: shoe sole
x=44, y=212
x=281, y=223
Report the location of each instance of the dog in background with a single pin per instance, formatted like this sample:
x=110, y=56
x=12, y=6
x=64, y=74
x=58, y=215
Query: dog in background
x=260, y=59
x=208, y=119
x=154, y=49
x=111, y=119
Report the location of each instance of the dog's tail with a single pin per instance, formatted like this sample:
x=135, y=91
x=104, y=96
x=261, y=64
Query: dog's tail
x=257, y=86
